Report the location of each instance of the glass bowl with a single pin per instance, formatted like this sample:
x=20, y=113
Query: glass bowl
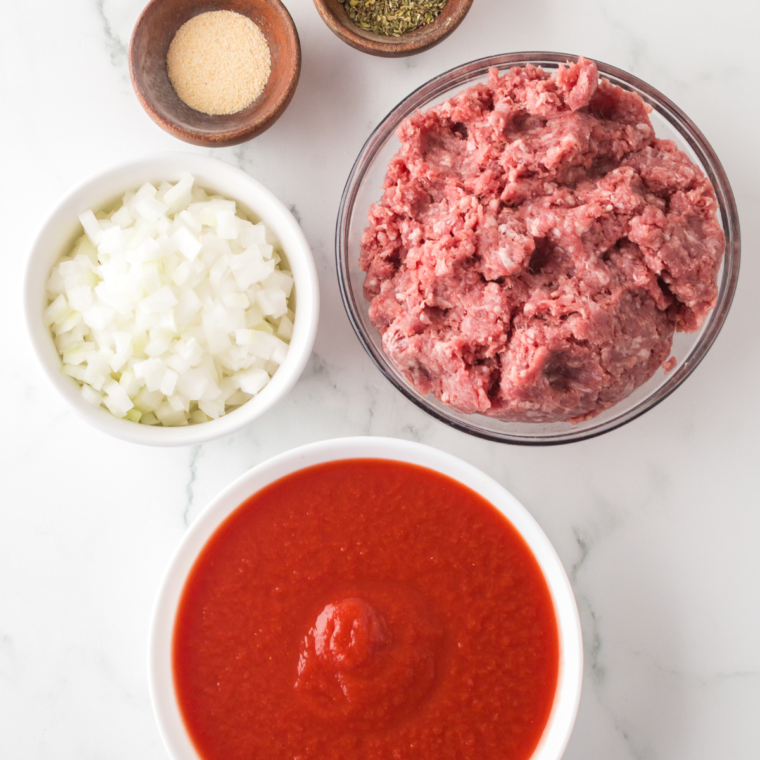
x=364, y=187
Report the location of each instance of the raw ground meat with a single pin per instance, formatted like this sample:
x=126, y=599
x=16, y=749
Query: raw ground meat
x=536, y=247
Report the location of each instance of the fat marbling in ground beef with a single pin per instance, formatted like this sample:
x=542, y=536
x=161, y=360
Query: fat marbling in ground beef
x=536, y=247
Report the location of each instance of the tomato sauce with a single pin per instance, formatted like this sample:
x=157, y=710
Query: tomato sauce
x=365, y=609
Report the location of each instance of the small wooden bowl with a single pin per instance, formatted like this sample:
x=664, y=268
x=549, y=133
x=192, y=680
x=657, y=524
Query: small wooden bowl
x=334, y=15
x=152, y=35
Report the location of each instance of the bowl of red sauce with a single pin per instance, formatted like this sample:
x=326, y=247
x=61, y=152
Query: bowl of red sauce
x=365, y=597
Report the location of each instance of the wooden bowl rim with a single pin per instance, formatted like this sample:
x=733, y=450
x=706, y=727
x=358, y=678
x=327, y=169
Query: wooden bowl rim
x=260, y=120
x=394, y=47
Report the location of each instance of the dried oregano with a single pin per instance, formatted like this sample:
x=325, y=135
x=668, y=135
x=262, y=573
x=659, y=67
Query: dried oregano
x=392, y=17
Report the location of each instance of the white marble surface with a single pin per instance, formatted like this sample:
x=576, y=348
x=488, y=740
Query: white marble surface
x=657, y=523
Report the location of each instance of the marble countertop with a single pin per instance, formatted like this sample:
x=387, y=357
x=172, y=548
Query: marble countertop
x=656, y=523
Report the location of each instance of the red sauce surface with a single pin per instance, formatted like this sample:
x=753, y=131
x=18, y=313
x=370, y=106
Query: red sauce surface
x=365, y=609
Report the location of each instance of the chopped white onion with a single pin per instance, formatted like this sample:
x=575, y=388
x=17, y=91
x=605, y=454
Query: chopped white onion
x=173, y=309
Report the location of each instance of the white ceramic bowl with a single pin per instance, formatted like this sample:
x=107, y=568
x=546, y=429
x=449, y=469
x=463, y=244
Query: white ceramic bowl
x=560, y=724
x=101, y=191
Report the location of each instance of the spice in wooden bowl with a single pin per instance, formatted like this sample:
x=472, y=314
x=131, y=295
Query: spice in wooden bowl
x=149, y=47
x=392, y=17
x=385, y=30
x=219, y=62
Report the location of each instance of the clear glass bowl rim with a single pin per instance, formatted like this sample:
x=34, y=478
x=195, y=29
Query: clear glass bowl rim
x=465, y=74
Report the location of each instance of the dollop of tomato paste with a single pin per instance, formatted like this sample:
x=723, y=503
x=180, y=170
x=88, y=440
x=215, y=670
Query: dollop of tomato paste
x=364, y=667
x=348, y=634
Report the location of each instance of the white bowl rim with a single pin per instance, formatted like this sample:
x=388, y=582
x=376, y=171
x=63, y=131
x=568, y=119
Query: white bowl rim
x=277, y=216
x=560, y=724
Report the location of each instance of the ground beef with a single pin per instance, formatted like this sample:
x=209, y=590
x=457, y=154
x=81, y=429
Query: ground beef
x=536, y=247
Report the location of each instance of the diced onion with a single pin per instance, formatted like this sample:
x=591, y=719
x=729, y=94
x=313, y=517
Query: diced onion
x=172, y=309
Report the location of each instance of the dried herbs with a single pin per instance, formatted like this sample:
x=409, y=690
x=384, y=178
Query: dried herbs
x=392, y=17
